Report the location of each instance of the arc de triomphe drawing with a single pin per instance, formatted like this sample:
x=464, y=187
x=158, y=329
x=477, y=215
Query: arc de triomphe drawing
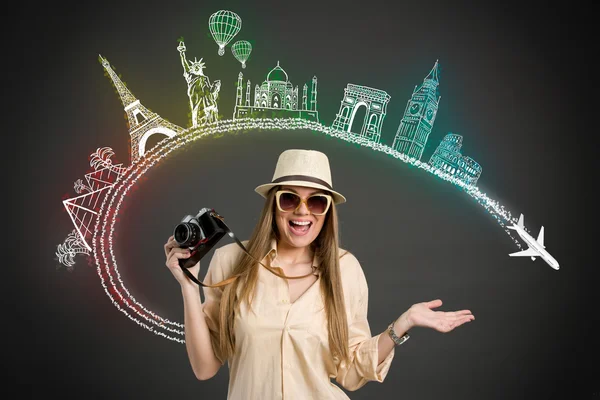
x=374, y=100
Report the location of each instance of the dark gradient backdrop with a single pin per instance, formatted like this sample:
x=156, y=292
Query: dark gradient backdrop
x=517, y=81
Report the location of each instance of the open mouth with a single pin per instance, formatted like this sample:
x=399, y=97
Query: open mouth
x=299, y=228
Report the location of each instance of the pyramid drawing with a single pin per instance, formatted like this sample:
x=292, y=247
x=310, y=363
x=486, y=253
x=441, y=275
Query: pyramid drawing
x=83, y=209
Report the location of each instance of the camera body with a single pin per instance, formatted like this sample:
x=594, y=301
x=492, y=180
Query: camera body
x=199, y=234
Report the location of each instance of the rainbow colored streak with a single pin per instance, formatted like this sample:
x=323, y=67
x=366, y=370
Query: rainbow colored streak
x=109, y=211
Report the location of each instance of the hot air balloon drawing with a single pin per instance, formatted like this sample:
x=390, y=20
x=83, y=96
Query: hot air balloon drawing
x=241, y=51
x=223, y=26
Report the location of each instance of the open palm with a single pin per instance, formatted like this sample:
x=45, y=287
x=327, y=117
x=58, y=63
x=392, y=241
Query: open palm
x=421, y=314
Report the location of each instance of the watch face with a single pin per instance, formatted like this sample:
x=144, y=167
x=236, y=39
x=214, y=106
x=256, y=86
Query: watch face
x=414, y=108
x=429, y=114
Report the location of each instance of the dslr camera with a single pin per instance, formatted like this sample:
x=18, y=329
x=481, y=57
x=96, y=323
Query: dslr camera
x=199, y=234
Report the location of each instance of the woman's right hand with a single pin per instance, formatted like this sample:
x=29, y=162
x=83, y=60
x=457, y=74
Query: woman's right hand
x=173, y=253
x=422, y=314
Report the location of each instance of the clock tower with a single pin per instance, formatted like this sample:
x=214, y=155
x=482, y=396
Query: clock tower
x=419, y=115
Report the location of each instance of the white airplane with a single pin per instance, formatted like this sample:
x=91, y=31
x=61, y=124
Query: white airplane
x=536, y=248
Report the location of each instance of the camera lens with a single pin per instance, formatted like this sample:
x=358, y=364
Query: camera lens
x=187, y=234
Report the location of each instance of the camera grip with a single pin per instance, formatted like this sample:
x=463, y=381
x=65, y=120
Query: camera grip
x=192, y=260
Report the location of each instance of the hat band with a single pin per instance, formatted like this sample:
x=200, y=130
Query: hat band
x=302, y=178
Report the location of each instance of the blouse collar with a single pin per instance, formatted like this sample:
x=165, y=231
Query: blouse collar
x=272, y=254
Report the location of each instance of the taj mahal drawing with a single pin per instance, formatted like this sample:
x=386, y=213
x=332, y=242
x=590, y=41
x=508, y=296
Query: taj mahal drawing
x=276, y=96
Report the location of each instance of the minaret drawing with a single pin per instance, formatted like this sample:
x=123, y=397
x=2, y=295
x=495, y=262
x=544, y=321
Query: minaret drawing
x=304, y=97
x=143, y=123
x=419, y=116
x=313, y=94
x=240, y=90
x=248, y=94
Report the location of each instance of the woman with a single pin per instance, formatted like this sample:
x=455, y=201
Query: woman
x=288, y=324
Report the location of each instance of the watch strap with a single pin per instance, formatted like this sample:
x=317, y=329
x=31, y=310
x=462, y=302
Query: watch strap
x=397, y=340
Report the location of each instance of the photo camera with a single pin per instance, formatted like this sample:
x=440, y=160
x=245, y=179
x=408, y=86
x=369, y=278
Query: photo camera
x=199, y=234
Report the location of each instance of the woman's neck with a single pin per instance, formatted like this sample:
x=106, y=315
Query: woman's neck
x=294, y=255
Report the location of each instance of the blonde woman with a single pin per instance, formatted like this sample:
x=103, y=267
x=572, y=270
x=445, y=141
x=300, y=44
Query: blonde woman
x=297, y=318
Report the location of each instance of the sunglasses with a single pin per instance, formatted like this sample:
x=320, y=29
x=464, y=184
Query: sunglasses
x=317, y=203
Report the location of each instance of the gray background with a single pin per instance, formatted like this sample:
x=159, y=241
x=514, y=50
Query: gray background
x=516, y=81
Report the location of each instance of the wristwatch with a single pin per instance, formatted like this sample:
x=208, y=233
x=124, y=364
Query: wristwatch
x=396, y=339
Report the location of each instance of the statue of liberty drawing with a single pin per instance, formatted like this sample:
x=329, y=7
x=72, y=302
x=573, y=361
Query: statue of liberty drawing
x=203, y=95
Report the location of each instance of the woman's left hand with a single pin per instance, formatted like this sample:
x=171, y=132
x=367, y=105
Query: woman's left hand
x=421, y=314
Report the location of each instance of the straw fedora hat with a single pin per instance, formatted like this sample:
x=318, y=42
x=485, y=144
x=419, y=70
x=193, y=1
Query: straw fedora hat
x=308, y=168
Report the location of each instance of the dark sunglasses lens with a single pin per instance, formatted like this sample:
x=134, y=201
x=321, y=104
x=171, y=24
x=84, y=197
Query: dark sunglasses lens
x=288, y=201
x=317, y=204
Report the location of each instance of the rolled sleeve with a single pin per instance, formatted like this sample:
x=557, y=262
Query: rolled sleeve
x=364, y=350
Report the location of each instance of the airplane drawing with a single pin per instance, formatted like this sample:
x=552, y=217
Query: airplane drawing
x=535, y=248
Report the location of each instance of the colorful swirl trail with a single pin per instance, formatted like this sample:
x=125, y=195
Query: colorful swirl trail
x=107, y=218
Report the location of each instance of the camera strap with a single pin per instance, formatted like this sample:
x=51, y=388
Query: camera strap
x=239, y=243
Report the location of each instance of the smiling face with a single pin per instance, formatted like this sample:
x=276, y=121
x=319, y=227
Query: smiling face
x=291, y=225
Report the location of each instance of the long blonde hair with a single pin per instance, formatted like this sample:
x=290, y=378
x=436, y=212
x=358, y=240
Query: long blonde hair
x=326, y=247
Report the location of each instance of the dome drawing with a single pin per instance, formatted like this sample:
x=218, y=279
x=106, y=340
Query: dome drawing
x=277, y=74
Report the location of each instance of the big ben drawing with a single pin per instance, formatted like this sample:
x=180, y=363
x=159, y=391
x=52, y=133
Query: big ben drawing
x=419, y=116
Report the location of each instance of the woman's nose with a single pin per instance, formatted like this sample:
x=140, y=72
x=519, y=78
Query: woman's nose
x=302, y=209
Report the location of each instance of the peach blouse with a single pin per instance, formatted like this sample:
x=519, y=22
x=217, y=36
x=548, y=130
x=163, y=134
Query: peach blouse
x=282, y=348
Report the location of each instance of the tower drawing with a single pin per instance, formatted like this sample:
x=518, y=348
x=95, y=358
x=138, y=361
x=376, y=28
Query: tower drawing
x=313, y=95
x=448, y=158
x=240, y=90
x=419, y=116
x=277, y=96
x=143, y=123
x=374, y=100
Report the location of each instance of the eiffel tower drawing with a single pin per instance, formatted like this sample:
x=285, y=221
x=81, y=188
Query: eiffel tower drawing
x=143, y=123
